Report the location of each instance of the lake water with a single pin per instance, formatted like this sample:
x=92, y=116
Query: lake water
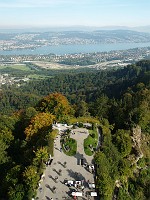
x=71, y=49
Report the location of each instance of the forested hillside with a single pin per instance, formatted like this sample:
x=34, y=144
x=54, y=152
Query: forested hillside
x=76, y=87
x=119, y=100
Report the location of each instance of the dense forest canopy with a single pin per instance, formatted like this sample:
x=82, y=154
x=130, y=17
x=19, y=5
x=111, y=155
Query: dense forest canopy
x=86, y=86
x=118, y=99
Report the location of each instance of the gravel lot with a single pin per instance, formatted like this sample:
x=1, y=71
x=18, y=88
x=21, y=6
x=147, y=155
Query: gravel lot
x=57, y=174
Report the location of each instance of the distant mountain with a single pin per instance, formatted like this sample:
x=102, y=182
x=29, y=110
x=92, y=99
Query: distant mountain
x=73, y=28
x=136, y=28
x=142, y=28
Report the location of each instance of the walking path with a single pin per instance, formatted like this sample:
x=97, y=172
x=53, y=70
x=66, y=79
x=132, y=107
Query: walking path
x=79, y=136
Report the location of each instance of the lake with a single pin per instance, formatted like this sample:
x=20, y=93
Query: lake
x=72, y=49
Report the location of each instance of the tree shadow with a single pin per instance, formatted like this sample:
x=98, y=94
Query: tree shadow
x=75, y=175
x=47, y=186
x=53, y=178
x=61, y=164
x=57, y=172
x=56, y=148
x=47, y=198
x=50, y=188
x=63, y=182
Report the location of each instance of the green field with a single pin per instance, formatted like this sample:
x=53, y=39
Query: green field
x=23, y=67
x=37, y=76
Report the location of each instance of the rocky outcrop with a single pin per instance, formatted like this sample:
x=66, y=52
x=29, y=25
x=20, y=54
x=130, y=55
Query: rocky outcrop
x=136, y=138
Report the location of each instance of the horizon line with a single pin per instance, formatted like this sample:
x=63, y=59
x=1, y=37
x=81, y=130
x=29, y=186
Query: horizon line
x=68, y=26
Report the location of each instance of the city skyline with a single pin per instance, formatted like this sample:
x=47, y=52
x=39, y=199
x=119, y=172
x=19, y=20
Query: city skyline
x=58, y=13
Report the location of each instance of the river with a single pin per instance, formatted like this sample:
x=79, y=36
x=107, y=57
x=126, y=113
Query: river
x=72, y=49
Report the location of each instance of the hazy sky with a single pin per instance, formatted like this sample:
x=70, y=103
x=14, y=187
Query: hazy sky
x=38, y=13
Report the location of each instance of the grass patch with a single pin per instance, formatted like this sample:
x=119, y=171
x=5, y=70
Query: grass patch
x=37, y=76
x=90, y=143
x=69, y=146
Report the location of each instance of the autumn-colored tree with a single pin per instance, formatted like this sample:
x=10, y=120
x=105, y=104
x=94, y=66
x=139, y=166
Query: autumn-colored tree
x=41, y=122
x=57, y=104
x=41, y=155
x=53, y=134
